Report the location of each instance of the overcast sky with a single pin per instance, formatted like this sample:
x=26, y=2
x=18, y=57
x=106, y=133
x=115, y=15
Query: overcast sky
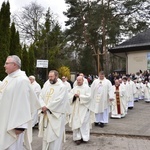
x=56, y=6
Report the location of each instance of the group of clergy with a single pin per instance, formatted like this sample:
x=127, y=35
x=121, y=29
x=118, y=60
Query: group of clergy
x=127, y=91
x=84, y=105
x=23, y=104
x=104, y=100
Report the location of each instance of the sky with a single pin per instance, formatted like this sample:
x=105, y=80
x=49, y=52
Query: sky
x=57, y=7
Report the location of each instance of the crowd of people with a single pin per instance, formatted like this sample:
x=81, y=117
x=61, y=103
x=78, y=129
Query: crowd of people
x=24, y=104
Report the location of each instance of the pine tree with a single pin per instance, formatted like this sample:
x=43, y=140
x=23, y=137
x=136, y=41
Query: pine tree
x=31, y=60
x=15, y=48
x=101, y=24
x=4, y=36
x=25, y=60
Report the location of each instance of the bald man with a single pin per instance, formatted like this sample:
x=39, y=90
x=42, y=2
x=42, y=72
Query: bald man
x=85, y=81
x=80, y=116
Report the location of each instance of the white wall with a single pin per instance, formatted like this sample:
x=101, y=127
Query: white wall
x=137, y=61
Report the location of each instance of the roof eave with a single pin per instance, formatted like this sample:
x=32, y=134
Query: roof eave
x=129, y=49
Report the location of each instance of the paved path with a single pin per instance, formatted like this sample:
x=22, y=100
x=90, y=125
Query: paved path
x=129, y=133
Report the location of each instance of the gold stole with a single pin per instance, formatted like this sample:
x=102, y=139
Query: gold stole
x=118, y=100
x=48, y=96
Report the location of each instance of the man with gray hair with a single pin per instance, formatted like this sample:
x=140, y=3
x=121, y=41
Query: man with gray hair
x=17, y=103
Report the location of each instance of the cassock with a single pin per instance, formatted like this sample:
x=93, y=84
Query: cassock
x=17, y=104
x=81, y=116
x=37, y=89
x=101, y=92
x=52, y=124
x=118, y=107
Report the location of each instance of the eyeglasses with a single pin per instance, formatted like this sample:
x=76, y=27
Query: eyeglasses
x=6, y=63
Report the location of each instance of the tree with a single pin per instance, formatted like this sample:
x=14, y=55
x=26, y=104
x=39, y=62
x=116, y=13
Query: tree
x=25, y=60
x=86, y=62
x=4, y=36
x=51, y=42
x=29, y=20
x=47, y=37
x=101, y=24
x=31, y=60
x=15, y=47
x=64, y=71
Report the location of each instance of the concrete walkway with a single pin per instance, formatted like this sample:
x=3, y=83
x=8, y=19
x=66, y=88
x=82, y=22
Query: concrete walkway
x=129, y=133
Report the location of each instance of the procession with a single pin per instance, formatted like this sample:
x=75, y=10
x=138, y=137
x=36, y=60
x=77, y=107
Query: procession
x=56, y=104
x=74, y=75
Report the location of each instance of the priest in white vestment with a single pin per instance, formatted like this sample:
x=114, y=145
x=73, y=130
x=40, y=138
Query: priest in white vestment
x=136, y=95
x=147, y=91
x=131, y=92
x=140, y=89
x=66, y=83
x=85, y=81
x=37, y=89
x=53, y=99
x=118, y=106
x=125, y=85
x=102, y=95
x=68, y=86
x=17, y=104
x=81, y=116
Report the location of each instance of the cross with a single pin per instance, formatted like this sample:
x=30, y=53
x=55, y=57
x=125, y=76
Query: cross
x=49, y=94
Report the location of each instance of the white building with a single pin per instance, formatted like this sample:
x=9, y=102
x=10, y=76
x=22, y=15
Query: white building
x=136, y=51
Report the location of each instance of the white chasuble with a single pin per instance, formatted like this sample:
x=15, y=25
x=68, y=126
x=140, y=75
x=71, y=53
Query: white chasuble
x=54, y=97
x=17, y=104
x=101, y=92
x=80, y=106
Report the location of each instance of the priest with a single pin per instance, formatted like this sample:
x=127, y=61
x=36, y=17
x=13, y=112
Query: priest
x=118, y=107
x=53, y=99
x=81, y=116
x=102, y=95
x=147, y=91
x=131, y=92
x=37, y=89
x=85, y=81
x=17, y=104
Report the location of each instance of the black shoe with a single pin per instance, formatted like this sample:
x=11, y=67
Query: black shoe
x=96, y=123
x=101, y=124
x=130, y=107
x=83, y=141
x=78, y=142
x=136, y=101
